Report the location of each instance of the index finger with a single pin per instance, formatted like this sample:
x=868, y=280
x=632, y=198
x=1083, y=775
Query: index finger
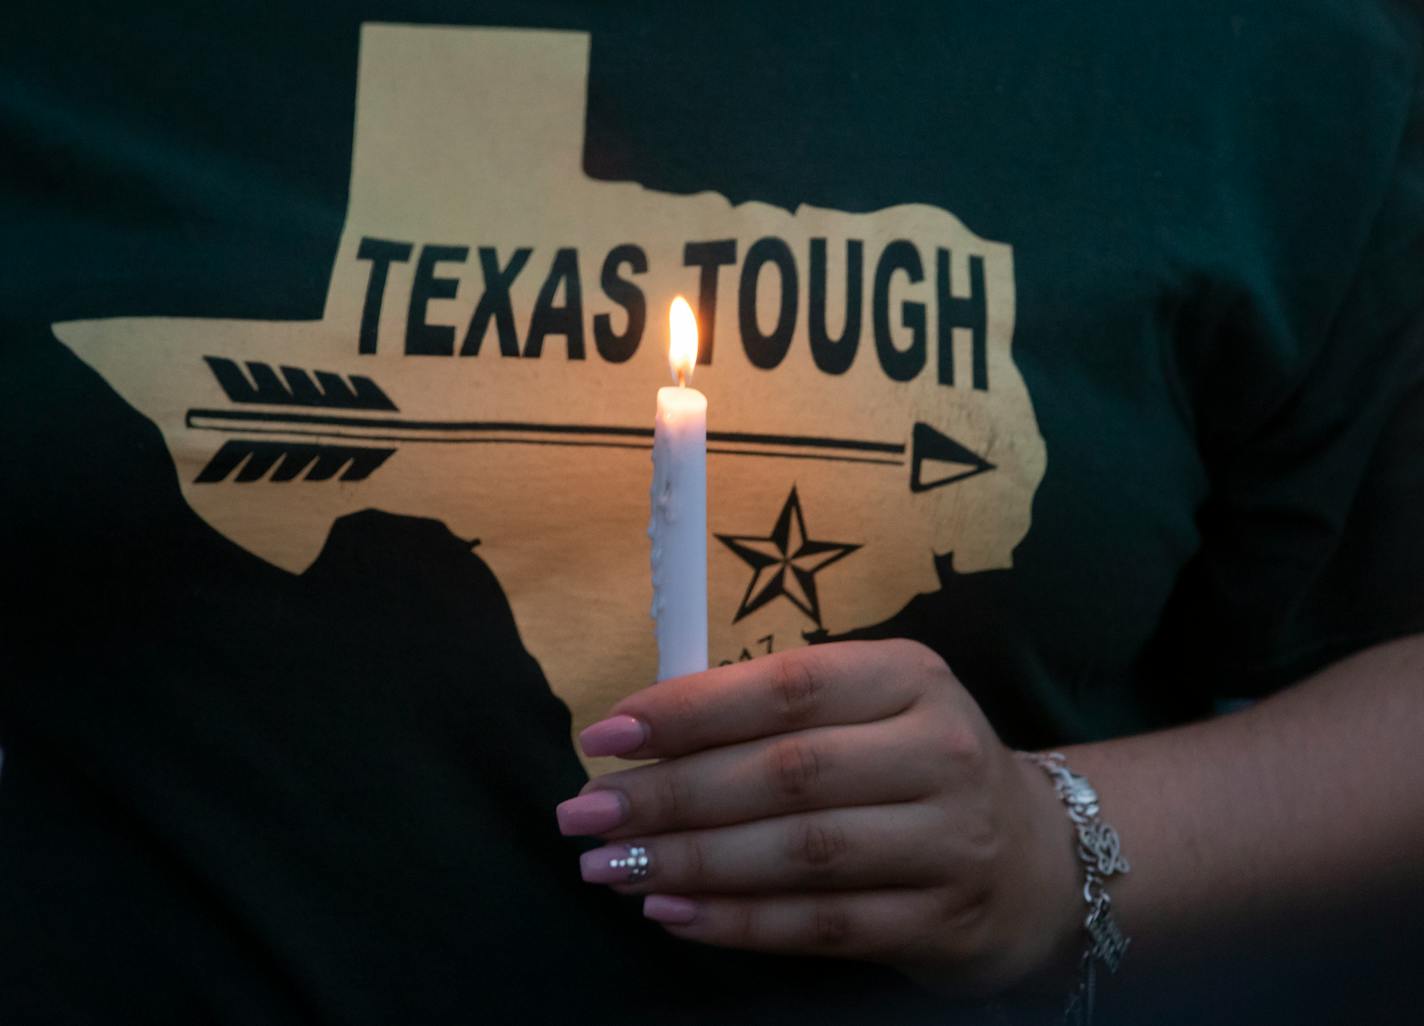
x=822, y=685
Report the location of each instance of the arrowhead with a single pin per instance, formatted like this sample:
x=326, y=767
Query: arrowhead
x=938, y=460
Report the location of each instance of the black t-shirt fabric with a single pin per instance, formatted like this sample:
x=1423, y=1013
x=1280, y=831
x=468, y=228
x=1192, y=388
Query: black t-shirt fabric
x=231, y=793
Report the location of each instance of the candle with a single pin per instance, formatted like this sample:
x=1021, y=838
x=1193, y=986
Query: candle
x=678, y=527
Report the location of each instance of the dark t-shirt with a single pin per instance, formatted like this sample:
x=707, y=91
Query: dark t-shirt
x=1082, y=343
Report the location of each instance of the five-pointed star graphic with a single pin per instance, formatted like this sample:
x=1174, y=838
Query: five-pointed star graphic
x=785, y=563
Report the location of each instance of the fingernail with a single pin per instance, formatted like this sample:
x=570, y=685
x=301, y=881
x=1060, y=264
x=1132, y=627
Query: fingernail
x=615, y=863
x=664, y=908
x=592, y=813
x=617, y=735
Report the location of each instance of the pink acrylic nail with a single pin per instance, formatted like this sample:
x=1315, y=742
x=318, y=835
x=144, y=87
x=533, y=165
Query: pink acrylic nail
x=664, y=908
x=592, y=813
x=619, y=863
x=617, y=735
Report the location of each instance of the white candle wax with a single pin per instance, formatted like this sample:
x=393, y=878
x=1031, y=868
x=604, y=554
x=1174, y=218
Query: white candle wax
x=678, y=530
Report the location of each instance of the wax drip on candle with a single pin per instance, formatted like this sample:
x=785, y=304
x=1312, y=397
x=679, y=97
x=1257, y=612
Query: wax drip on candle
x=665, y=504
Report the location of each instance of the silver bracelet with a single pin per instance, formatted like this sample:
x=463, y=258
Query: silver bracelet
x=1100, y=852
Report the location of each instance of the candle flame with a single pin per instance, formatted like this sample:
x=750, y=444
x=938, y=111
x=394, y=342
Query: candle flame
x=682, y=340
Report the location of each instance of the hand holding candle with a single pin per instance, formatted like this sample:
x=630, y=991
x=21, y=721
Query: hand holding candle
x=847, y=799
x=678, y=526
x=856, y=847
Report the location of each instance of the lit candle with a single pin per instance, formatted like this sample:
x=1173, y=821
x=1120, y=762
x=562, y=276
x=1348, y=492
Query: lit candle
x=678, y=527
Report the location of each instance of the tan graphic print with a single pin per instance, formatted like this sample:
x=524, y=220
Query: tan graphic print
x=495, y=333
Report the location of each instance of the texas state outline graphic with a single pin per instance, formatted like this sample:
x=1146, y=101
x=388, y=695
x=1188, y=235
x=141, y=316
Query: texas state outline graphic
x=493, y=337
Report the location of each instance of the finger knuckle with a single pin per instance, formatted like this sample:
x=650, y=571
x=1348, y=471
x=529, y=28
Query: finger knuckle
x=694, y=858
x=797, y=684
x=982, y=839
x=914, y=651
x=963, y=913
x=831, y=925
x=960, y=744
x=670, y=796
x=793, y=768
x=744, y=925
x=925, y=663
x=682, y=706
x=817, y=844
